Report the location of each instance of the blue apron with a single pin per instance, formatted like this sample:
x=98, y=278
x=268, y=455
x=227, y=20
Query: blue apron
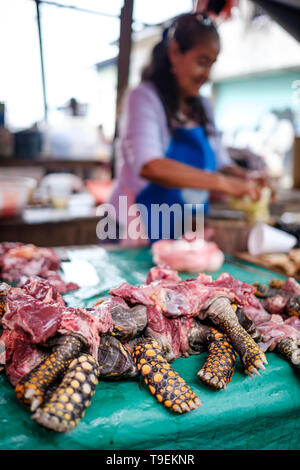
x=190, y=146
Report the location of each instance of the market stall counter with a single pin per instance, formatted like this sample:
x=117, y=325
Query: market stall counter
x=252, y=413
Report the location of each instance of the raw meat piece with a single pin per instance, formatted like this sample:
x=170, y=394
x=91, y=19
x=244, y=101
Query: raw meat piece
x=162, y=272
x=294, y=322
x=80, y=322
x=39, y=312
x=172, y=304
x=56, y=281
x=26, y=260
x=291, y=286
x=174, y=330
x=191, y=257
x=42, y=289
x=18, y=261
x=38, y=319
x=101, y=311
x=274, y=330
x=270, y=319
x=256, y=313
x=276, y=304
x=188, y=297
x=20, y=355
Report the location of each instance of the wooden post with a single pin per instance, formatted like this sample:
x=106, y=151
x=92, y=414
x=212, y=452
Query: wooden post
x=296, y=163
x=124, y=51
x=37, y=3
x=123, y=65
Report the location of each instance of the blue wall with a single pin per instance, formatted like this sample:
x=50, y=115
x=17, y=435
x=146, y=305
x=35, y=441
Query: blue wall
x=243, y=102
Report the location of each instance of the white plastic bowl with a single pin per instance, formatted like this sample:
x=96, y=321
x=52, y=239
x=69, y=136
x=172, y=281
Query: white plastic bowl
x=15, y=192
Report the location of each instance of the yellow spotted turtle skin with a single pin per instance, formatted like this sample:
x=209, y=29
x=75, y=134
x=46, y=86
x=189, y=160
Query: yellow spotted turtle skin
x=292, y=307
x=31, y=389
x=71, y=398
x=3, y=296
x=223, y=316
x=163, y=381
x=219, y=366
x=261, y=290
x=289, y=348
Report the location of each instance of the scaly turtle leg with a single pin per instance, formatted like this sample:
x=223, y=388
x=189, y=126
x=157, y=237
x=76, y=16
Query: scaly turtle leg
x=261, y=290
x=163, y=381
x=276, y=283
x=289, y=348
x=72, y=397
x=128, y=322
x=224, y=317
x=3, y=306
x=292, y=307
x=219, y=366
x=31, y=389
x=247, y=324
x=3, y=299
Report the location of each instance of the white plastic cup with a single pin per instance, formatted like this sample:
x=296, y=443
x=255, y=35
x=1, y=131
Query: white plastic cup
x=264, y=238
x=60, y=189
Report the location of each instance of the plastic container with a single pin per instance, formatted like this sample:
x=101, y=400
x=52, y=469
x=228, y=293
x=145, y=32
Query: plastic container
x=59, y=187
x=264, y=238
x=15, y=192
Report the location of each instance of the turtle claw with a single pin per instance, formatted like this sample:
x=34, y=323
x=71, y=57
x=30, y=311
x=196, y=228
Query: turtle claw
x=185, y=407
x=177, y=409
x=218, y=368
x=253, y=370
x=264, y=359
x=35, y=404
x=215, y=381
x=255, y=361
x=192, y=405
x=207, y=377
x=260, y=365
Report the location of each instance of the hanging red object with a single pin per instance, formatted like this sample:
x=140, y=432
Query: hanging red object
x=220, y=9
x=226, y=11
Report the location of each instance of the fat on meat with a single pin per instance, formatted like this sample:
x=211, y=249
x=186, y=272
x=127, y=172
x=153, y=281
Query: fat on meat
x=188, y=256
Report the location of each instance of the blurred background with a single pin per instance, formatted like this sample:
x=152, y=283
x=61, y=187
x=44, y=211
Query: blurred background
x=65, y=66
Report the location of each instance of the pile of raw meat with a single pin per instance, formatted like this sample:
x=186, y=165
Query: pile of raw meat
x=173, y=303
x=271, y=320
x=19, y=261
x=35, y=313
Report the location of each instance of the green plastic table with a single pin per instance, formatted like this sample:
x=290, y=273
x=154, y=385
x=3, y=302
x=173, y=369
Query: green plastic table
x=262, y=413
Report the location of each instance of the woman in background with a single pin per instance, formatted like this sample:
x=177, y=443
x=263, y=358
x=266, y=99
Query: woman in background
x=168, y=149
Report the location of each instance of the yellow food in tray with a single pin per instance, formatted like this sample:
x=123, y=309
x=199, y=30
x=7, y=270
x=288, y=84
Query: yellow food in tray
x=255, y=211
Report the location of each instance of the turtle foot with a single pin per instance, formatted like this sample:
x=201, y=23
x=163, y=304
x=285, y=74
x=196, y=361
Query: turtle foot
x=162, y=380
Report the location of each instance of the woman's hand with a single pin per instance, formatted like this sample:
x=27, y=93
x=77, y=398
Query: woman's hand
x=238, y=187
x=258, y=176
x=172, y=174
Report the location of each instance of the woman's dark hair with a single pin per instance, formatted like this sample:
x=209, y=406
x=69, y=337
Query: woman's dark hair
x=188, y=30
